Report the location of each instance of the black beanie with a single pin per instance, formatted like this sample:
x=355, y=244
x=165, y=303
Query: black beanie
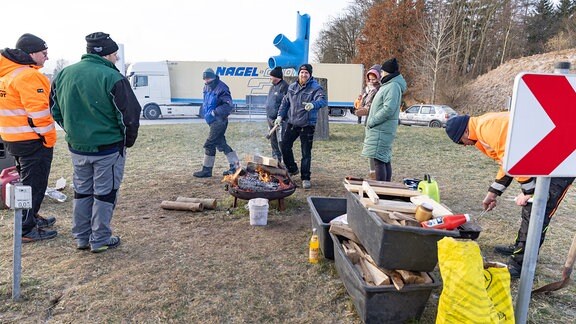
x=456, y=126
x=390, y=66
x=306, y=67
x=277, y=72
x=208, y=74
x=31, y=44
x=100, y=43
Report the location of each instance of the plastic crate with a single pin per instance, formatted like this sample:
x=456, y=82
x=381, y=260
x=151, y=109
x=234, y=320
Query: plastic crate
x=394, y=246
x=322, y=211
x=381, y=304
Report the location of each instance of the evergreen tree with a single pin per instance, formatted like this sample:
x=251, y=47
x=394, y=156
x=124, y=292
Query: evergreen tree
x=540, y=27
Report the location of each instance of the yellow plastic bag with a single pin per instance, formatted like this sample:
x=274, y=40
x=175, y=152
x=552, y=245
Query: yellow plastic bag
x=470, y=293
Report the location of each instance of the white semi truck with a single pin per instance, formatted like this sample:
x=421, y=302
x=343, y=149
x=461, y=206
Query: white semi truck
x=174, y=88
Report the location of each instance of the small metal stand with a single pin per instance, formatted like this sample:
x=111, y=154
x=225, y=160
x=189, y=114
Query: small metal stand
x=18, y=197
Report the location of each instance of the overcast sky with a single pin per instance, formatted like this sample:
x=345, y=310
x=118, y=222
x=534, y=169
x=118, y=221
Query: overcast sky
x=155, y=30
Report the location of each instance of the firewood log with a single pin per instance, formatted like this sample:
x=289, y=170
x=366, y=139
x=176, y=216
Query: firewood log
x=343, y=230
x=177, y=205
x=378, y=276
x=208, y=203
x=410, y=277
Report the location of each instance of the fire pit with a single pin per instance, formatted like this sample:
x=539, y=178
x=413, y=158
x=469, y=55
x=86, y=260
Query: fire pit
x=260, y=181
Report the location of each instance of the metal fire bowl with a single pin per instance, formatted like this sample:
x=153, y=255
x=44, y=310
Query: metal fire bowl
x=270, y=195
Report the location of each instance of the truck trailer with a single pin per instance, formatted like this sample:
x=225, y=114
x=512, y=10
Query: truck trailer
x=174, y=88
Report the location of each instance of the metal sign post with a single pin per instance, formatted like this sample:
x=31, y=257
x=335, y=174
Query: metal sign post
x=543, y=98
x=18, y=197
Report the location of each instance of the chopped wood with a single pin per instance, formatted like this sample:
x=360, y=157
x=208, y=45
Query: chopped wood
x=396, y=278
x=264, y=160
x=427, y=278
x=411, y=277
x=253, y=167
x=396, y=192
x=365, y=272
x=177, y=205
x=343, y=230
x=351, y=253
x=208, y=203
x=378, y=276
x=370, y=192
x=390, y=205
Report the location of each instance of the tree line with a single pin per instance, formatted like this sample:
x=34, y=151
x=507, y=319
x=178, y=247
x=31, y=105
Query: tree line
x=441, y=44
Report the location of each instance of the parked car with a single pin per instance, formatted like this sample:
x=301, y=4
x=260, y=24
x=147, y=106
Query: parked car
x=426, y=115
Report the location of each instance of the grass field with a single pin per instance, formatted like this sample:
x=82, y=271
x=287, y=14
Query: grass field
x=213, y=267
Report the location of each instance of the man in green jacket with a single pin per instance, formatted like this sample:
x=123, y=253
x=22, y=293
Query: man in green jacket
x=382, y=121
x=94, y=104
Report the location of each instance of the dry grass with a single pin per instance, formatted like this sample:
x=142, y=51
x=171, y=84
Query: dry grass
x=214, y=267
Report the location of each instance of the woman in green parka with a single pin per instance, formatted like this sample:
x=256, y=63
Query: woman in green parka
x=382, y=121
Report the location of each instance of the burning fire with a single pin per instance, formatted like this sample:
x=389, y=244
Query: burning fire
x=257, y=180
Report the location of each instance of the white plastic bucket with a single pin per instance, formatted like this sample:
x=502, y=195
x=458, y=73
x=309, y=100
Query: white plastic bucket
x=258, y=208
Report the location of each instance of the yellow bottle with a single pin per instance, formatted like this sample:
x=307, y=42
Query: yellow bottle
x=314, y=247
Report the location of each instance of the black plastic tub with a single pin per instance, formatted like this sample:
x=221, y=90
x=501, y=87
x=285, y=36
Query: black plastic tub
x=394, y=246
x=381, y=304
x=322, y=211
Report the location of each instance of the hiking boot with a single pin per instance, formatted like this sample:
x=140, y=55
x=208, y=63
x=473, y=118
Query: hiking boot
x=231, y=171
x=306, y=184
x=505, y=249
x=113, y=242
x=38, y=234
x=206, y=172
x=45, y=222
x=82, y=245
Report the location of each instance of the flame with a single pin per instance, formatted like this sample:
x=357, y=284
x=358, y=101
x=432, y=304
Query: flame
x=263, y=175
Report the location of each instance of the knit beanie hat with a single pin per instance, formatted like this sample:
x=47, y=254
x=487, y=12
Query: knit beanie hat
x=390, y=66
x=208, y=74
x=101, y=44
x=456, y=126
x=306, y=67
x=277, y=72
x=31, y=44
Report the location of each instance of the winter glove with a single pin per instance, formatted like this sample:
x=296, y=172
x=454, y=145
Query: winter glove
x=308, y=106
x=278, y=121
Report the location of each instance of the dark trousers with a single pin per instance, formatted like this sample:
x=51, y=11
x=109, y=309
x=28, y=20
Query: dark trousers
x=34, y=170
x=556, y=193
x=306, y=135
x=274, y=143
x=383, y=170
x=217, y=139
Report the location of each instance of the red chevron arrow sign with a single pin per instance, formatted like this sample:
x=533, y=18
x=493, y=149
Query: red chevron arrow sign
x=542, y=130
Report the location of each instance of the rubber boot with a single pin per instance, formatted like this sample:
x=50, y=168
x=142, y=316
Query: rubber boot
x=234, y=163
x=207, y=166
x=206, y=172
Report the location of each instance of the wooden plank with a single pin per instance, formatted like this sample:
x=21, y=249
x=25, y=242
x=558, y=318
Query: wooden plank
x=390, y=205
x=259, y=159
x=374, y=183
x=439, y=209
x=343, y=230
x=396, y=192
x=370, y=192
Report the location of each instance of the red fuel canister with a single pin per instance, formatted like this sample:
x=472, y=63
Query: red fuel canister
x=447, y=222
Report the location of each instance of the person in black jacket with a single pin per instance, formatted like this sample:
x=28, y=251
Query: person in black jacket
x=277, y=92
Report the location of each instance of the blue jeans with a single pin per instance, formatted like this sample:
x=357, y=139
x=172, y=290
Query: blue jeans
x=306, y=135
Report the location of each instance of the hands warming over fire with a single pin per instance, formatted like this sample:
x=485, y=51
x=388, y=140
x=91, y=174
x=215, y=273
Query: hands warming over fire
x=278, y=121
x=308, y=106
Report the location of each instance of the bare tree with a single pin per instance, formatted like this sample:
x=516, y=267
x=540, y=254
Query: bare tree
x=60, y=64
x=429, y=57
x=337, y=41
